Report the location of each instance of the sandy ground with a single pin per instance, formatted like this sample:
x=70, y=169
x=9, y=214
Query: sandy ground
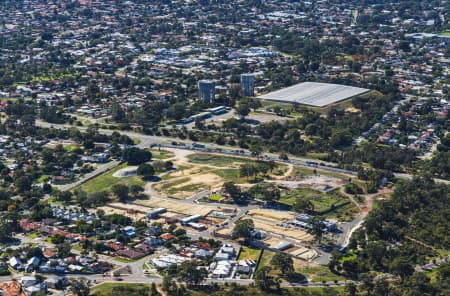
x=110, y=210
x=224, y=231
x=303, y=253
x=197, y=174
x=272, y=242
x=202, y=181
x=263, y=117
x=294, y=233
x=177, y=207
x=318, y=182
x=276, y=216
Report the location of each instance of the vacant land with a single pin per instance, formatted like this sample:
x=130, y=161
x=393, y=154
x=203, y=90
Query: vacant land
x=161, y=154
x=216, y=160
x=248, y=253
x=314, y=272
x=177, y=207
x=106, y=181
x=330, y=205
x=318, y=273
x=202, y=171
x=322, y=202
x=265, y=259
x=107, y=289
x=445, y=33
x=306, y=171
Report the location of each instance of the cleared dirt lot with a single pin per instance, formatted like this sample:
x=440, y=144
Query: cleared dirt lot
x=317, y=182
x=177, y=207
x=198, y=172
x=294, y=233
x=264, y=117
x=276, y=216
x=122, y=210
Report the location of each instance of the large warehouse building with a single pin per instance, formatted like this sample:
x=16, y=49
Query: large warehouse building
x=314, y=93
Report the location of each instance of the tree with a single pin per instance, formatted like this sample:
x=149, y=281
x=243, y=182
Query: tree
x=243, y=228
x=402, y=268
x=350, y=289
x=303, y=205
x=367, y=282
x=135, y=190
x=6, y=231
x=247, y=170
x=64, y=250
x=317, y=228
x=263, y=279
x=256, y=151
x=23, y=183
x=136, y=156
x=232, y=190
x=381, y=287
x=189, y=272
x=117, y=113
x=283, y=156
x=79, y=287
x=242, y=110
x=334, y=261
x=272, y=193
x=121, y=191
x=283, y=262
x=153, y=290
x=146, y=170
x=64, y=196
x=166, y=283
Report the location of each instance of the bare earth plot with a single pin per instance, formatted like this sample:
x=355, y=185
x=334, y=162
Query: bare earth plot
x=198, y=172
x=267, y=220
x=178, y=207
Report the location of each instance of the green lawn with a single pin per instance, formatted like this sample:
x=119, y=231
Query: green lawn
x=215, y=197
x=265, y=259
x=216, y=160
x=247, y=290
x=444, y=33
x=319, y=273
x=161, y=154
x=306, y=171
x=329, y=205
x=290, y=198
x=350, y=256
x=344, y=213
x=316, y=273
x=166, y=177
x=106, y=289
x=124, y=260
x=249, y=254
x=228, y=174
x=43, y=178
x=33, y=235
x=106, y=181
x=71, y=147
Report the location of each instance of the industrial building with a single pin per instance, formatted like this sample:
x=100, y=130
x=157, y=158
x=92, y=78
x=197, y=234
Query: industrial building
x=248, y=84
x=207, y=90
x=314, y=94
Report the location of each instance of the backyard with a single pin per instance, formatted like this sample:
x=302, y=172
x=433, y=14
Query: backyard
x=248, y=253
